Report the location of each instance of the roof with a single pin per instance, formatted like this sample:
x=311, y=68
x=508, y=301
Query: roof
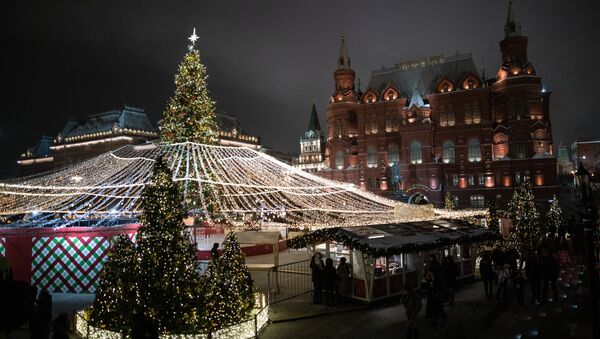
x=423, y=73
x=391, y=239
x=313, y=124
x=41, y=148
x=131, y=118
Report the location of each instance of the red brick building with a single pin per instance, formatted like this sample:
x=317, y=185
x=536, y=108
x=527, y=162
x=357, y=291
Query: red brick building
x=435, y=125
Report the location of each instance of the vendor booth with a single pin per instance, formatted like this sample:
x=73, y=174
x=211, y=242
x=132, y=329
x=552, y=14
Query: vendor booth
x=386, y=259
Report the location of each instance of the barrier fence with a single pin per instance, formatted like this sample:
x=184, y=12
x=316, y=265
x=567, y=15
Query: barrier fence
x=289, y=280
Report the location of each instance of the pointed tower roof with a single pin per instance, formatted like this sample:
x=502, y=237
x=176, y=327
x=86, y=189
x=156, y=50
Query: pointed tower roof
x=313, y=124
x=416, y=99
x=344, y=58
x=512, y=27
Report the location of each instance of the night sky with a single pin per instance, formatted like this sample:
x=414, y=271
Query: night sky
x=267, y=59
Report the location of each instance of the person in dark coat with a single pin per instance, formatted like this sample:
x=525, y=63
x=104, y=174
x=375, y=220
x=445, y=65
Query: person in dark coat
x=550, y=271
x=317, y=269
x=449, y=272
x=435, y=305
x=40, y=326
x=413, y=304
x=519, y=284
x=60, y=327
x=533, y=271
x=498, y=257
x=329, y=282
x=214, y=251
x=486, y=271
x=344, y=274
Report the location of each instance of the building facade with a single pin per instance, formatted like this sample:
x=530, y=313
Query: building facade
x=312, y=145
x=103, y=132
x=586, y=152
x=435, y=125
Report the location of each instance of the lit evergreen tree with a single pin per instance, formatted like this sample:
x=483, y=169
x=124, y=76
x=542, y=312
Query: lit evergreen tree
x=229, y=295
x=189, y=117
x=555, y=219
x=449, y=203
x=526, y=220
x=112, y=308
x=493, y=217
x=168, y=285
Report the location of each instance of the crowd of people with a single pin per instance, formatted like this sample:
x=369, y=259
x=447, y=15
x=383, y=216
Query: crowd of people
x=330, y=283
x=29, y=311
x=540, y=273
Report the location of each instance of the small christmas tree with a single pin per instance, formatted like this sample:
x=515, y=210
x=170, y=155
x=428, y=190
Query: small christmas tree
x=449, y=203
x=526, y=220
x=112, y=308
x=168, y=286
x=556, y=223
x=189, y=117
x=229, y=294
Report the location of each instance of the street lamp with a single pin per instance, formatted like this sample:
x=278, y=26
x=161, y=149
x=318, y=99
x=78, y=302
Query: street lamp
x=589, y=224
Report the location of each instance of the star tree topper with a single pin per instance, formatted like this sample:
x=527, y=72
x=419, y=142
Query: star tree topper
x=193, y=39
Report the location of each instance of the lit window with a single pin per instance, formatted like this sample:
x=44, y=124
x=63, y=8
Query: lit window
x=451, y=119
x=477, y=201
x=448, y=156
x=474, y=151
x=388, y=125
x=371, y=157
x=443, y=119
x=393, y=155
x=454, y=179
x=481, y=179
x=520, y=150
x=415, y=153
x=518, y=178
x=339, y=160
x=471, y=180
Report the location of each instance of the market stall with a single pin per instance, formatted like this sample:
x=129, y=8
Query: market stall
x=388, y=258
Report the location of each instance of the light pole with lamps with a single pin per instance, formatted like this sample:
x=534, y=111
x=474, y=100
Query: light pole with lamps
x=589, y=233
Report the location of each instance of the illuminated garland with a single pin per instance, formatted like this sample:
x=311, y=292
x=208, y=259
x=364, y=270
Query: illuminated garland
x=350, y=239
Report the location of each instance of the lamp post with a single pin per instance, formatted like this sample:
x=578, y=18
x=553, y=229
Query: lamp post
x=589, y=224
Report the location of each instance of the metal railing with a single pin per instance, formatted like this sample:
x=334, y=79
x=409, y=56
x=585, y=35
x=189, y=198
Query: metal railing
x=289, y=280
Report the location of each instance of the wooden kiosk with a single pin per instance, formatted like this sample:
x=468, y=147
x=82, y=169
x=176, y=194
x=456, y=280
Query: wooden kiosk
x=386, y=259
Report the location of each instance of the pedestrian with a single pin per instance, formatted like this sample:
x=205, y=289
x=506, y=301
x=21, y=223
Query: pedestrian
x=40, y=327
x=533, y=271
x=60, y=327
x=519, y=284
x=413, y=304
x=449, y=272
x=435, y=306
x=329, y=282
x=487, y=275
x=503, y=277
x=344, y=274
x=214, y=251
x=317, y=267
x=564, y=257
x=498, y=257
x=550, y=270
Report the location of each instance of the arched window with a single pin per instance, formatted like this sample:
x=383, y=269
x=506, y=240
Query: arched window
x=415, y=153
x=474, y=150
x=371, y=157
x=448, y=156
x=339, y=160
x=393, y=154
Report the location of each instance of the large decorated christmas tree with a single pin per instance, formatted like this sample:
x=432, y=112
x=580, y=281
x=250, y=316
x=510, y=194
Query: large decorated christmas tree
x=229, y=295
x=190, y=113
x=168, y=285
x=112, y=308
x=526, y=220
x=190, y=117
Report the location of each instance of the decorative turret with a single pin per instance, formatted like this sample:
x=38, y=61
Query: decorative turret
x=313, y=125
x=344, y=77
x=514, y=48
